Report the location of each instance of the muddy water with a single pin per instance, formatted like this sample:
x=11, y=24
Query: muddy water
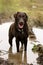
x=22, y=57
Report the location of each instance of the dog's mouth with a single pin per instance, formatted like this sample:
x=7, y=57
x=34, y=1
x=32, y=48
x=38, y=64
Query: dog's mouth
x=20, y=25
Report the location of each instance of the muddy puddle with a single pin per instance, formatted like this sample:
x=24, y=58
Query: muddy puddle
x=22, y=57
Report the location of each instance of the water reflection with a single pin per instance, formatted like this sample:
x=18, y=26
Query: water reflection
x=16, y=57
x=20, y=57
x=11, y=53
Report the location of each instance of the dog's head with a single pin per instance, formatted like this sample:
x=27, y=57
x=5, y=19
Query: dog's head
x=20, y=19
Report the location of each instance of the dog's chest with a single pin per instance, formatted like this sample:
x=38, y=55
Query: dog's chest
x=20, y=33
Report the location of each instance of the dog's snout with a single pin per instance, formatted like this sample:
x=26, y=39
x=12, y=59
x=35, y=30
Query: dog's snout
x=21, y=23
x=21, y=20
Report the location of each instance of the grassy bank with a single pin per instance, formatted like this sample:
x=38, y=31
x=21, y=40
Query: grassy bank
x=21, y=5
x=34, y=8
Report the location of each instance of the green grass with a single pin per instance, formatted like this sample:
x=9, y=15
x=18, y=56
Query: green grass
x=20, y=5
x=12, y=6
x=34, y=49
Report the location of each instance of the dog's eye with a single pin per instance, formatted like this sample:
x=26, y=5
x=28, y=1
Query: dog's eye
x=23, y=16
x=19, y=16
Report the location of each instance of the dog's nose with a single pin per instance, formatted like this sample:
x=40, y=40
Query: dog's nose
x=21, y=23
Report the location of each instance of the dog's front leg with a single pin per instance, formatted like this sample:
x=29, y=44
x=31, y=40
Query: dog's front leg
x=10, y=40
x=17, y=44
x=25, y=44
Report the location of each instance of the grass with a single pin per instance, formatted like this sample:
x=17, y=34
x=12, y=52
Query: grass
x=20, y=5
x=31, y=7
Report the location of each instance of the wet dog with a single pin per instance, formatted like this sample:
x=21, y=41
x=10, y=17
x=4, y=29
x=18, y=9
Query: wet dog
x=19, y=30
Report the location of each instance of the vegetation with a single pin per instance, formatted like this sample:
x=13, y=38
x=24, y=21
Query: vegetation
x=21, y=5
x=34, y=49
x=37, y=48
x=32, y=7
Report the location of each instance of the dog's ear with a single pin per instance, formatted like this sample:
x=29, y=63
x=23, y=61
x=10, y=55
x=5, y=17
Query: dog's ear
x=26, y=16
x=15, y=15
